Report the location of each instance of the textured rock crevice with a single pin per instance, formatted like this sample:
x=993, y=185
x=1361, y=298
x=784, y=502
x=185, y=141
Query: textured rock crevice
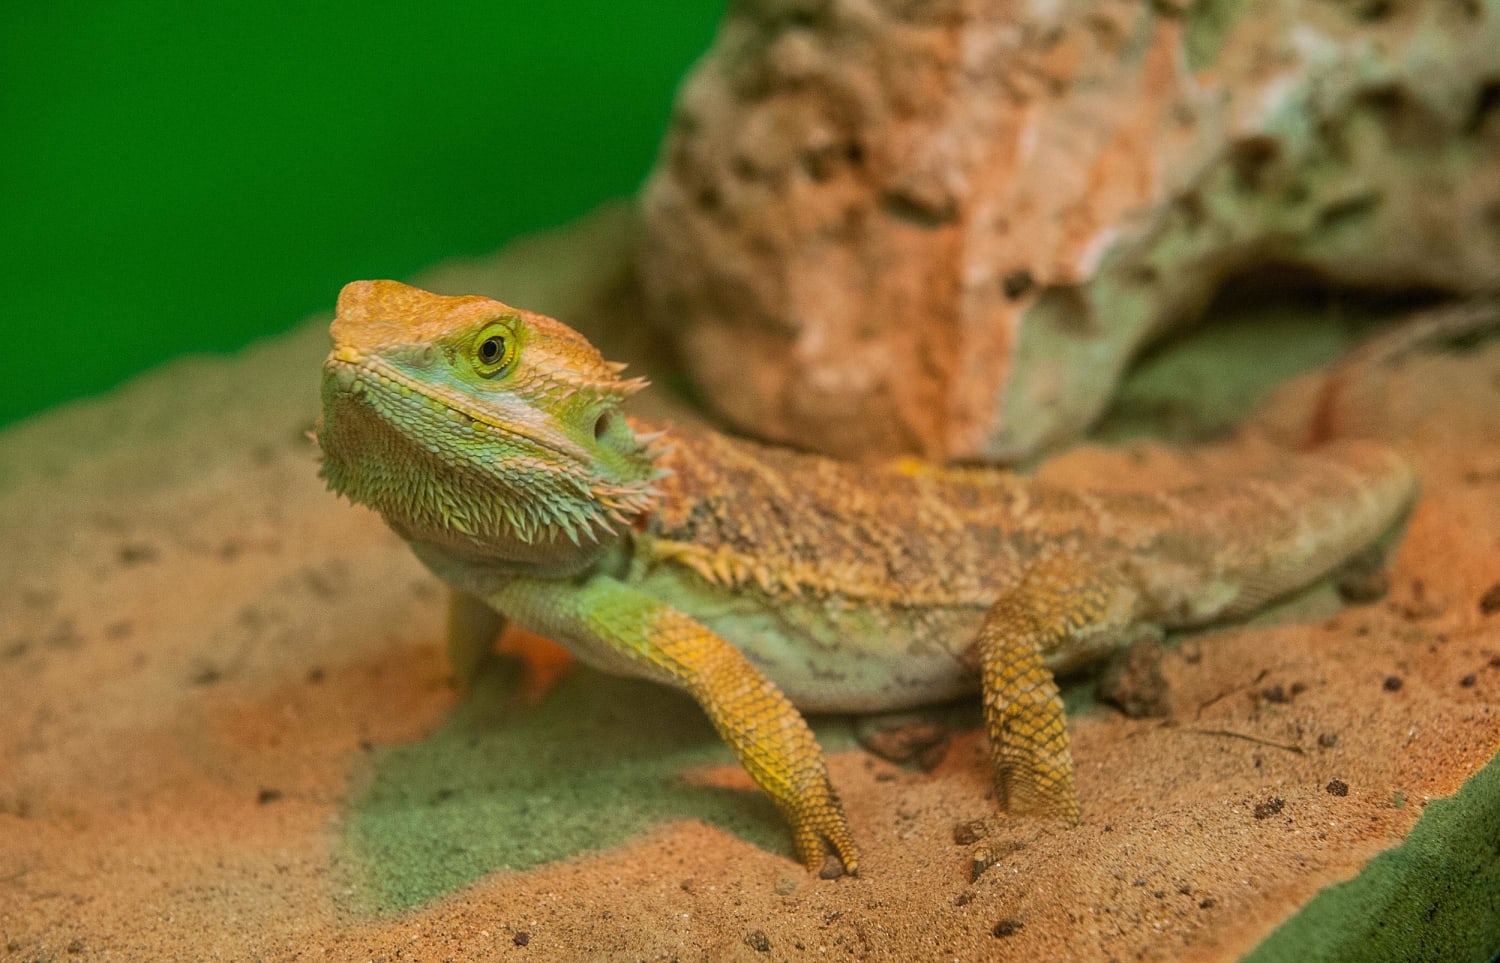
x=946, y=228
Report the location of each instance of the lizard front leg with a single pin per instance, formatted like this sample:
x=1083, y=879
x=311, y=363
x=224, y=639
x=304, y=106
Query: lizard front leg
x=1061, y=605
x=761, y=727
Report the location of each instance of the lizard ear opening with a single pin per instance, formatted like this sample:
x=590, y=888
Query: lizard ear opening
x=613, y=434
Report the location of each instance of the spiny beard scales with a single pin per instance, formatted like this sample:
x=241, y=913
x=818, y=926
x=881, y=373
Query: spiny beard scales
x=527, y=497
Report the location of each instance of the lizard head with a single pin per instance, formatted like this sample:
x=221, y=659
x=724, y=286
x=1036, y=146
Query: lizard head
x=478, y=427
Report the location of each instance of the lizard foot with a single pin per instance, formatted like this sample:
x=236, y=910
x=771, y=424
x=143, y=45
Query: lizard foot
x=821, y=833
x=1061, y=601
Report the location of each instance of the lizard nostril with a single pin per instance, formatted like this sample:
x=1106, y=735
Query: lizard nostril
x=419, y=356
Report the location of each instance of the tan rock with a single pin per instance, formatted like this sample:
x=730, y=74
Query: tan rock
x=946, y=227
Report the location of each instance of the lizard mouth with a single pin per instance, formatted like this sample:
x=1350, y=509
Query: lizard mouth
x=386, y=389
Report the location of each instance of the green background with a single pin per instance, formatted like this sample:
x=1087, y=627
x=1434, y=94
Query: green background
x=180, y=176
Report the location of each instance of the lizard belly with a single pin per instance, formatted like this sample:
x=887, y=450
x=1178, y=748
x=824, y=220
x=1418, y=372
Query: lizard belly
x=824, y=680
x=832, y=655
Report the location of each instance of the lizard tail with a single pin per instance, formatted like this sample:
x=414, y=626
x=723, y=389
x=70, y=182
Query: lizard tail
x=1349, y=495
x=1429, y=330
x=1231, y=546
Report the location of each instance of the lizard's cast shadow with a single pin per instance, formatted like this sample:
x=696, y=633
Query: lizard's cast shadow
x=504, y=785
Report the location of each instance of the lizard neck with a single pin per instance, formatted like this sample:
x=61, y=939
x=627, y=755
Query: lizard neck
x=481, y=575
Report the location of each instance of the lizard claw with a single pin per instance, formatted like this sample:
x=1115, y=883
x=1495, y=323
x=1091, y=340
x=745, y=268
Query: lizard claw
x=821, y=834
x=824, y=843
x=828, y=858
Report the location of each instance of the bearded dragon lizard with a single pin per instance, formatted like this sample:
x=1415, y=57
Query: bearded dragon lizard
x=763, y=581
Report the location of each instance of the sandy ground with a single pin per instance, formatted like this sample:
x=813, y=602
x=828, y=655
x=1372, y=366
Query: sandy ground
x=227, y=732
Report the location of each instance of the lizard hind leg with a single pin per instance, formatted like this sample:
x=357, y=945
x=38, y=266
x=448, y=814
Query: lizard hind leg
x=1062, y=607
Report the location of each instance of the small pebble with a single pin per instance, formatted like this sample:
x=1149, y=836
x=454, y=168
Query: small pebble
x=1009, y=926
x=1392, y=683
x=1337, y=787
x=1365, y=582
x=969, y=833
x=905, y=739
x=1133, y=682
x=1270, y=807
x=1016, y=283
x=136, y=553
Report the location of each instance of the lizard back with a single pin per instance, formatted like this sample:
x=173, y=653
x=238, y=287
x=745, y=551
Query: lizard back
x=795, y=525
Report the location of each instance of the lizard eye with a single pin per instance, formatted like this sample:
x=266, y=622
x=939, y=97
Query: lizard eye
x=494, y=350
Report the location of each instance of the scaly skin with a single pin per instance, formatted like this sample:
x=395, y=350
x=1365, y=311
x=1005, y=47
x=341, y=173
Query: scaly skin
x=764, y=581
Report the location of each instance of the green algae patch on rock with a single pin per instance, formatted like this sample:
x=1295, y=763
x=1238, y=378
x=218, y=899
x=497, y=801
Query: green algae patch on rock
x=1434, y=897
x=502, y=785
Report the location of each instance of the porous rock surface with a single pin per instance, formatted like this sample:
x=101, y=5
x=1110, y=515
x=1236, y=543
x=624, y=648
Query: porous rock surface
x=945, y=228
